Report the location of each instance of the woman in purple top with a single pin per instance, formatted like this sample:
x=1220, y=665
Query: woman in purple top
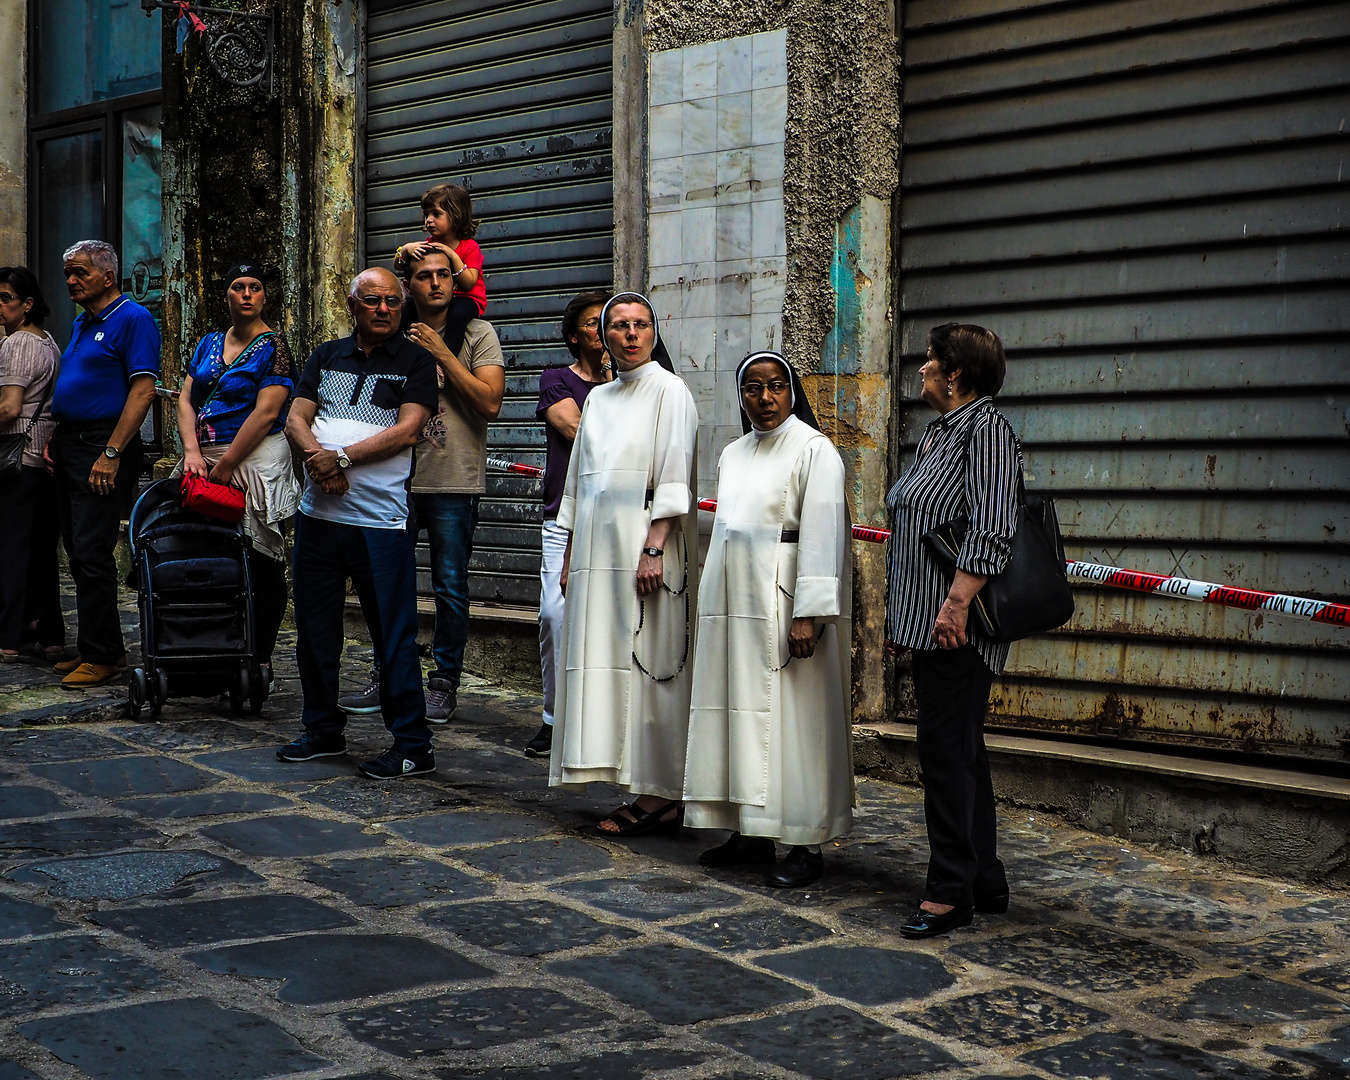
x=562, y=391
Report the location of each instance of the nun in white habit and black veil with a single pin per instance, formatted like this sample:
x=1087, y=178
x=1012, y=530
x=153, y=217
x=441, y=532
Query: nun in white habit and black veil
x=770, y=746
x=630, y=576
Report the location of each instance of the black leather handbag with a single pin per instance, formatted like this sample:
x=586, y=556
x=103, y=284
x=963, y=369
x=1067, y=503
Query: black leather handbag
x=1031, y=594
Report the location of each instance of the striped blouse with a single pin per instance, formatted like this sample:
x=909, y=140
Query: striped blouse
x=940, y=485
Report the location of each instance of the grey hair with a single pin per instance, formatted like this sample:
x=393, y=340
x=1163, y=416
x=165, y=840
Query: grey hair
x=99, y=252
x=351, y=289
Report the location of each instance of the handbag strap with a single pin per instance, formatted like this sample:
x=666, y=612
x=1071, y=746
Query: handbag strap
x=42, y=404
x=215, y=383
x=965, y=456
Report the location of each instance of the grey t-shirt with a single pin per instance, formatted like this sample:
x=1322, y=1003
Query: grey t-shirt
x=30, y=361
x=451, y=458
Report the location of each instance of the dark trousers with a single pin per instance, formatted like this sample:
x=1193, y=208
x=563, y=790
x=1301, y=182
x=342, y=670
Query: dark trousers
x=458, y=315
x=30, y=587
x=951, y=687
x=449, y=520
x=89, y=528
x=383, y=569
x=269, y=600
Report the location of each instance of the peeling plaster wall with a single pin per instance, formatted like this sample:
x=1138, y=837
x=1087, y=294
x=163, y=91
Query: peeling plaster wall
x=841, y=172
x=13, y=135
x=273, y=181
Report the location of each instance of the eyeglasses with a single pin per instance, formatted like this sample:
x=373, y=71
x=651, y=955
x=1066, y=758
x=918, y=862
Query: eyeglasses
x=7, y=298
x=753, y=389
x=624, y=327
x=591, y=324
x=393, y=303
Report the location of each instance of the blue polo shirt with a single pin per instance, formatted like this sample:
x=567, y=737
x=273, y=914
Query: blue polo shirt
x=105, y=351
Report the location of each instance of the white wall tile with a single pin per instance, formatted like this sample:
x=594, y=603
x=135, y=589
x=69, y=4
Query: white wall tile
x=732, y=295
x=733, y=174
x=734, y=122
x=699, y=135
x=734, y=59
x=766, y=331
x=769, y=59
x=699, y=176
x=664, y=246
x=767, y=229
x=665, y=77
x=700, y=71
x=665, y=183
x=766, y=167
x=733, y=340
x=769, y=286
x=770, y=114
x=698, y=300
x=665, y=126
x=734, y=225
x=698, y=241
x=698, y=343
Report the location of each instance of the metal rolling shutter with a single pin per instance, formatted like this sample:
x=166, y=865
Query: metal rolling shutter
x=1148, y=202
x=512, y=101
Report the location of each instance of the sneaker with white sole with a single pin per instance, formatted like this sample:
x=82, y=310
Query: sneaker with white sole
x=394, y=764
x=441, y=701
x=364, y=701
x=310, y=746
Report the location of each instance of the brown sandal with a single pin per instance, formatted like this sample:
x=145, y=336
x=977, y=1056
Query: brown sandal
x=643, y=821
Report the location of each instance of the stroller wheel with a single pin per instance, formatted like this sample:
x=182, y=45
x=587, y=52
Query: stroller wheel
x=159, y=693
x=138, y=689
x=239, y=691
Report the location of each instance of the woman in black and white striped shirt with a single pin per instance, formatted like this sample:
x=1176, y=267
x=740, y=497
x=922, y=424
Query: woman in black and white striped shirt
x=967, y=464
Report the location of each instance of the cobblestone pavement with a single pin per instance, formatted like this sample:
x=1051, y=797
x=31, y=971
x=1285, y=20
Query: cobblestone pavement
x=175, y=903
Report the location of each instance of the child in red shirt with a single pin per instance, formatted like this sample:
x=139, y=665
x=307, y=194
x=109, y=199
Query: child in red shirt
x=447, y=213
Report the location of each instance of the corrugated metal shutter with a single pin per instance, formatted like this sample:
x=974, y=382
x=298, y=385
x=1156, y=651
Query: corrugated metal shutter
x=513, y=101
x=1147, y=200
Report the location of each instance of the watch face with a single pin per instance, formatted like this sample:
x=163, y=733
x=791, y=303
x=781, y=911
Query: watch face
x=108, y=451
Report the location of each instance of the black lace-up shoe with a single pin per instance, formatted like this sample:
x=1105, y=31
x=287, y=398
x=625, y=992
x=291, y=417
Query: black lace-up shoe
x=394, y=764
x=542, y=743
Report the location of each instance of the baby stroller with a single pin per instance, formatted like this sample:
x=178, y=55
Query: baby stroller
x=196, y=606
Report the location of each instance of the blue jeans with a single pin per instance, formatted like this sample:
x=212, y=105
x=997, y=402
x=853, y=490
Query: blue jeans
x=383, y=567
x=449, y=521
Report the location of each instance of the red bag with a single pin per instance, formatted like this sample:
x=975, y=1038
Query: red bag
x=220, y=501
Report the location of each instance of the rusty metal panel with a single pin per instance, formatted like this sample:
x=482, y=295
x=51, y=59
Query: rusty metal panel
x=1148, y=202
x=514, y=102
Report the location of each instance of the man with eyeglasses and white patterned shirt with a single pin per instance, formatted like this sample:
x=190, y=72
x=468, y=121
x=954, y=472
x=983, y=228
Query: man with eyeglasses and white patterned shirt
x=359, y=408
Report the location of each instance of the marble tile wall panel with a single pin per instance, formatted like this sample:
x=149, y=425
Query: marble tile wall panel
x=717, y=249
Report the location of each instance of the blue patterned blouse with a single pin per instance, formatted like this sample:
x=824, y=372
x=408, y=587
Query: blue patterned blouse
x=223, y=397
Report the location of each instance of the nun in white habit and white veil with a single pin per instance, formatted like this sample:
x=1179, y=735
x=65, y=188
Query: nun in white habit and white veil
x=770, y=745
x=630, y=576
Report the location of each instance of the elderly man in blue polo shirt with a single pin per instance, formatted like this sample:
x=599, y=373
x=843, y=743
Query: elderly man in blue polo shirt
x=103, y=392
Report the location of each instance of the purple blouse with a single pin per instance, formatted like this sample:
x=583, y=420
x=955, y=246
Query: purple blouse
x=557, y=384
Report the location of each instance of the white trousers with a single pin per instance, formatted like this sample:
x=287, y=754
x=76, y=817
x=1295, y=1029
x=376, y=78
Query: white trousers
x=551, y=610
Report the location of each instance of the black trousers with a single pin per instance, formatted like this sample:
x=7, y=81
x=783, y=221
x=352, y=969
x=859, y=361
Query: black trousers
x=952, y=687
x=269, y=600
x=89, y=529
x=30, y=587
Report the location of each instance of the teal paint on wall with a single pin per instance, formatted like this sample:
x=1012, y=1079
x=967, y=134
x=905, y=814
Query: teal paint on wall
x=842, y=354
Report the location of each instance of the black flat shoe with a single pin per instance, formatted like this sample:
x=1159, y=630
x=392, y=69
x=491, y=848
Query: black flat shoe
x=799, y=867
x=741, y=851
x=924, y=924
x=992, y=903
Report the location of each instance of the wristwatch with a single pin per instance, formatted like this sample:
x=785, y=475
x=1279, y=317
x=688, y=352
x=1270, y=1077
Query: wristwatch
x=344, y=462
x=655, y=553
x=111, y=452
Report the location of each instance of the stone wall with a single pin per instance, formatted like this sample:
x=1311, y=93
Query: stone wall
x=840, y=171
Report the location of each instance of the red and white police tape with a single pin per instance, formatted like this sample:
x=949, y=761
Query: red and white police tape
x=1205, y=592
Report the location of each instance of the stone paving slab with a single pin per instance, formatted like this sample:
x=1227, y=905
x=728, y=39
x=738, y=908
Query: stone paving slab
x=316, y=969
x=27, y=802
x=394, y=881
x=125, y=776
x=205, y=804
x=650, y=897
x=752, y=931
x=830, y=1042
x=80, y=970
x=1009, y=1016
x=10, y=1070
x=292, y=835
x=260, y=764
x=20, y=918
x=205, y=922
x=1124, y=1055
x=677, y=985
x=470, y=1020
x=157, y=1039
x=863, y=974
x=73, y=835
x=524, y=927
x=132, y=874
x=539, y=860
x=467, y=827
